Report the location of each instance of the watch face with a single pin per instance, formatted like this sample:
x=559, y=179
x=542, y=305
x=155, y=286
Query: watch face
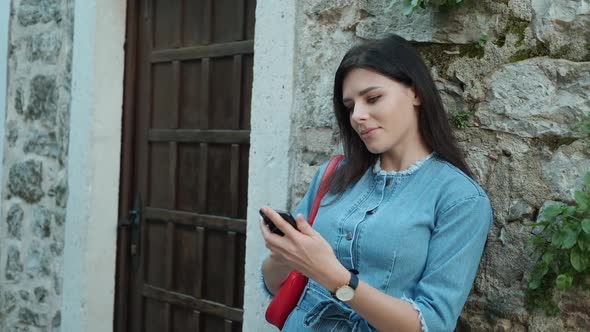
x=344, y=293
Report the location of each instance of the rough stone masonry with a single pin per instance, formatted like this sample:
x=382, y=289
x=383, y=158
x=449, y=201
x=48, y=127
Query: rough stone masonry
x=34, y=189
x=514, y=100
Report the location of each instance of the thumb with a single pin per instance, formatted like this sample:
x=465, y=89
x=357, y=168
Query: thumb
x=303, y=226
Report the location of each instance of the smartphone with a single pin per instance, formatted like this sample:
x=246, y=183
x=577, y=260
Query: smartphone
x=285, y=215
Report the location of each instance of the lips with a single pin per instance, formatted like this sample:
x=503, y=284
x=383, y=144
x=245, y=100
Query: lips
x=368, y=131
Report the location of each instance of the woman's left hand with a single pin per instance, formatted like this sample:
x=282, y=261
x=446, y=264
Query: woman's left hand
x=305, y=250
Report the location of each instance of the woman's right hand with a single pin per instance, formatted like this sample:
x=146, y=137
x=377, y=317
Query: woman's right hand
x=274, y=270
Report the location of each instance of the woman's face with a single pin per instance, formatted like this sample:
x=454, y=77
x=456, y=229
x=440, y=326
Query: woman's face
x=383, y=112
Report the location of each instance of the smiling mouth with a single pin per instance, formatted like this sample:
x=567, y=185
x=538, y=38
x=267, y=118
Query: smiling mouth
x=366, y=132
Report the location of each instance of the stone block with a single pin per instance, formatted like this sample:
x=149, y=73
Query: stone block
x=31, y=12
x=25, y=180
x=12, y=133
x=14, y=220
x=27, y=316
x=536, y=98
x=41, y=294
x=14, y=265
x=565, y=171
x=38, y=261
x=44, y=47
x=8, y=302
x=41, y=224
x=43, y=97
x=24, y=295
x=43, y=144
x=564, y=26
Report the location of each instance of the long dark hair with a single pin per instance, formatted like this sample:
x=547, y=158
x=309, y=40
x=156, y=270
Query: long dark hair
x=397, y=59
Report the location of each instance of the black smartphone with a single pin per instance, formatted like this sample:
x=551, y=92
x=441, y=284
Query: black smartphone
x=285, y=215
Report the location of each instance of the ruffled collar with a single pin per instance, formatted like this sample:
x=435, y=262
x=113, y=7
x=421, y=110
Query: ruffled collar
x=413, y=168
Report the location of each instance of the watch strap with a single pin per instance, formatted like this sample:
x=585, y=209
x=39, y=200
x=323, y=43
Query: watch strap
x=354, y=279
x=352, y=283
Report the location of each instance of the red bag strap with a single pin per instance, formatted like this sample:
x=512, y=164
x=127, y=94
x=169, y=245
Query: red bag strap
x=323, y=189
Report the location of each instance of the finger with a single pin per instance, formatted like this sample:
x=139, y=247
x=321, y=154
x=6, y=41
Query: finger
x=264, y=229
x=270, y=238
x=303, y=226
x=281, y=223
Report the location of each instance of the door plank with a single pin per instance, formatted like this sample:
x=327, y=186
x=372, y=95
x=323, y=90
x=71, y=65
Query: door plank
x=211, y=222
x=200, y=52
x=204, y=306
x=217, y=136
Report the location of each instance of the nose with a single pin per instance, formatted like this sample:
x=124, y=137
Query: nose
x=359, y=114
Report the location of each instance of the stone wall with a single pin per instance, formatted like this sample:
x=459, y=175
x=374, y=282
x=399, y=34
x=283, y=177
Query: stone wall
x=513, y=100
x=34, y=192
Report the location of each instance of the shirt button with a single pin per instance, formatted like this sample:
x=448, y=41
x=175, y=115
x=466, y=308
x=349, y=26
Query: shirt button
x=349, y=236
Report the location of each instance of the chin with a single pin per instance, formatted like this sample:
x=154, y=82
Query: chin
x=375, y=150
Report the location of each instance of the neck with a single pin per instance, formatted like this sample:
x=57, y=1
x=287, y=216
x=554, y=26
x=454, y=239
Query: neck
x=401, y=160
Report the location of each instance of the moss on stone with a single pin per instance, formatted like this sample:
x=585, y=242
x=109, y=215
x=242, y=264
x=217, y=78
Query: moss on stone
x=516, y=26
x=438, y=55
x=553, y=142
x=540, y=49
x=474, y=50
x=500, y=41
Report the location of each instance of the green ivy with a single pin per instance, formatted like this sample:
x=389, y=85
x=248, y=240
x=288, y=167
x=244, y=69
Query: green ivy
x=563, y=244
x=411, y=5
x=462, y=119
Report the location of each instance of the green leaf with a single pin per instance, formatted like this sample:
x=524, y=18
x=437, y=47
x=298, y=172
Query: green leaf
x=552, y=211
x=558, y=238
x=579, y=260
x=564, y=281
x=582, y=199
x=586, y=226
x=534, y=283
x=570, y=238
x=537, y=275
x=537, y=241
x=584, y=242
x=569, y=211
x=548, y=257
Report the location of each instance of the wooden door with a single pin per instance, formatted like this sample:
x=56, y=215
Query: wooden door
x=188, y=83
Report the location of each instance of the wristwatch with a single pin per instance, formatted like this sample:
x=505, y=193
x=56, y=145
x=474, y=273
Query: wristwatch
x=346, y=292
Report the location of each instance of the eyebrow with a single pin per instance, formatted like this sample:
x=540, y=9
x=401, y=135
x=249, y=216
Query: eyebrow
x=362, y=92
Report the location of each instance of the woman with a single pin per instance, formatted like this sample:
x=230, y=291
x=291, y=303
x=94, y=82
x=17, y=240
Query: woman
x=397, y=241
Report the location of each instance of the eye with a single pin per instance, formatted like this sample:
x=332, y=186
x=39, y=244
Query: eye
x=373, y=100
x=349, y=108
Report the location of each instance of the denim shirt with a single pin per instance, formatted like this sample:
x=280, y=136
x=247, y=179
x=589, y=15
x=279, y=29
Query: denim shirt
x=417, y=235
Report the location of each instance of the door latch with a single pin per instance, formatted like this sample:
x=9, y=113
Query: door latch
x=133, y=223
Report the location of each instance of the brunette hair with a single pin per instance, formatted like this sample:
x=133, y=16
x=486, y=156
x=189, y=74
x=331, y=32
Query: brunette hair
x=396, y=58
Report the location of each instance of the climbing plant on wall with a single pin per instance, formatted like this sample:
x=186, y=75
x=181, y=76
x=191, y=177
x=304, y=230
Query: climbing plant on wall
x=563, y=243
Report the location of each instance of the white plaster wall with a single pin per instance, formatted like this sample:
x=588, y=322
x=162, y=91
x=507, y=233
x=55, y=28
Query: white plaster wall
x=4, y=30
x=93, y=166
x=272, y=106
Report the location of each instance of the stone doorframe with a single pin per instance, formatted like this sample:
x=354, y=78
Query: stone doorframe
x=273, y=91
x=93, y=165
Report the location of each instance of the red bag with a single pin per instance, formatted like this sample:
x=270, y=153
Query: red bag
x=288, y=295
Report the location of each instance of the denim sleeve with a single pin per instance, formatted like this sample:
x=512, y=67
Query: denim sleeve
x=454, y=253
x=303, y=207
x=306, y=202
